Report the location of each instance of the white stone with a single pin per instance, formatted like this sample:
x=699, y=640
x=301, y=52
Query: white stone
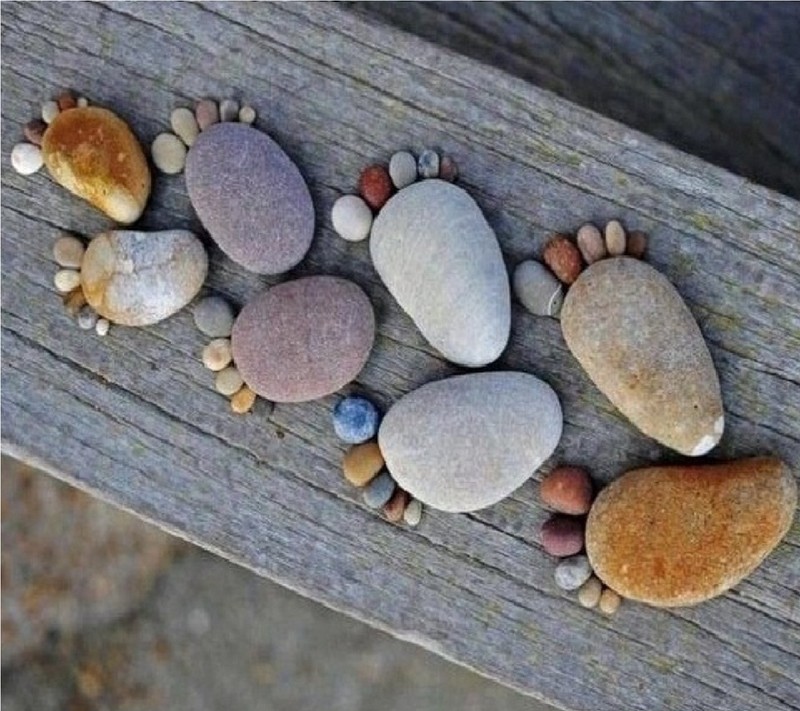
x=67, y=280
x=184, y=124
x=169, y=153
x=402, y=169
x=83, y=102
x=538, y=289
x=49, y=111
x=247, y=114
x=351, y=218
x=102, y=326
x=26, y=158
x=413, y=513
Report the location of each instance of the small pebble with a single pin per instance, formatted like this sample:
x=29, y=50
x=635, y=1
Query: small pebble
x=351, y=218
x=362, y=463
x=537, y=289
x=228, y=110
x=67, y=280
x=169, y=153
x=74, y=301
x=34, y=131
x=68, y=251
x=563, y=258
x=217, y=354
x=49, y=111
x=214, y=317
x=26, y=158
x=609, y=601
x=563, y=536
x=428, y=164
x=567, y=490
x=206, y=112
x=247, y=114
x=184, y=124
x=66, y=100
x=102, y=326
x=413, y=513
x=375, y=186
x=402, y=169
x=396, y=506
x=589, y=592
x=243, y=400
x=573, y=572
x=448, y=169
x=379, y=491
x=83, y=102
x=87, y=318
x=637, y=244
x=228, y=381
x=591, y=244
x=615, y=238
x=355, y=419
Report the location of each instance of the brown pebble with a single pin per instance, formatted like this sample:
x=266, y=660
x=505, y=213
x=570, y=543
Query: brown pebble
x=243, y=400
x=609, y=601
x=591, y=244
x=637, y=244
x=34, y=131
x=448, y=170
x=563, y=258
x=74, y=301
x=563, y=536
x=567, y=490
x=362, y=463
x=393, y=510
x=375, y=186
x=615, y=238
x=67, y=100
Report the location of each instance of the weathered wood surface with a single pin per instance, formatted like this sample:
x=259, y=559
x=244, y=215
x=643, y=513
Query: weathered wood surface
x=133, y=418
x=719, y=80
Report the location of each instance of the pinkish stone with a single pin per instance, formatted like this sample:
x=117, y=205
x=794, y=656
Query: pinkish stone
x=563, y=536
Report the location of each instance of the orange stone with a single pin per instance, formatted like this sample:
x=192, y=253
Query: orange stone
x=563, y=258
x=362, y=463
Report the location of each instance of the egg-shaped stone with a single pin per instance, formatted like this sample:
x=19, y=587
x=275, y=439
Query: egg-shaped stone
x=140, y=278
x=468, y=441
x=93, y=153
x=440, y=259
x=637, y=340
x=251, y=197
x=304, y=339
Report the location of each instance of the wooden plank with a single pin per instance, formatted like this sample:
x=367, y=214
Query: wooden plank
x=133, y=418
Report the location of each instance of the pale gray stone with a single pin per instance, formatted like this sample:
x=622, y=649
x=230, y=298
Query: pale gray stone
x=402, y=169
x=214, y=317
x=379, y=491
x=573, y=572
x=538, y=289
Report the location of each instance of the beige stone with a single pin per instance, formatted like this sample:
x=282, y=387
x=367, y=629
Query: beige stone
x=362, y=463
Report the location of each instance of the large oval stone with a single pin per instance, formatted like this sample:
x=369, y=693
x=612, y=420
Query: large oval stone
x=637, y=340
x=140, y=278
x=92, y=153
x=673, y=536
x=440, y=260
x=250, y=197
x=466, y=442
x=304, y=339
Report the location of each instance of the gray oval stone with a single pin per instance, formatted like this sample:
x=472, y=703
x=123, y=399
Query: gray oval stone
x=140, y=278
x=250, y=197
x=303, y=339
x=440, y=259
x=573, y=572
x=538, y=289
x=637, y=340
x=466, y=442
x=214, y=317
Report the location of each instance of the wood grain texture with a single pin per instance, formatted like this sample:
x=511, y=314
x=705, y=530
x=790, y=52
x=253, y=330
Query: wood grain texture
x=133, y=418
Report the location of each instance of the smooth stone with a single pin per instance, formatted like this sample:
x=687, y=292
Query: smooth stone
x=34, y=131
x=413, y=513
x=375, y=186
x=102, y=326
x=351, y=218
x=82, y=102
x=68, y=251
x=571, y=573
x=609, y=602
x=379, y=491
x=184, y=124
x=217, y=354
x=355, y=419
x=228, y=110
x=304, y=339
x=87, y=319
x=26, y=158
x=362, y=463
x=567, y=490
x=591, y=244
x=66, y=280
x=589, y=593
x=228, y=381
x=50, y=111
x=66, y=100
x=207, y=113
x=402, y=169
x=428, y=164
x=242, y=400
x=247, y=114
x=637, y=340
x=466, y=442
x=615, y=238
x=440, y=259
x=394, y=508
x=448, y=169
x=636, y=245
x=250, y=197
x=563, y=536
x=169, y=153
x=214, y=317
x=537, y=289
x=678, y=535
x=563, y=258
x=140, y=278
x=92, y=153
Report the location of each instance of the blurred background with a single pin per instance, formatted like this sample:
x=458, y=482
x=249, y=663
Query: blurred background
x=103, y=611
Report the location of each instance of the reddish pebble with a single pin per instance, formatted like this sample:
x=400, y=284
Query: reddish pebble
x=34, y=131
x=375, y=186
x=567, y=490
x=637, y=244
x=395, y=507
x=67, y=100
x=563, y=258
x=448, y=170
x=563, y=536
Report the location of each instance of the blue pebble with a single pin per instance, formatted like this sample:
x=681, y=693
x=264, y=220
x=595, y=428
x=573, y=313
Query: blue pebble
x=428, y=164
x=379, y=491
x=355, y=419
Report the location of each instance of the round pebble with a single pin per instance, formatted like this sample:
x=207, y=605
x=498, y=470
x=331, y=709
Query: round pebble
x=87, y=318
x=379, y=491
x=573, y=572
x=351, y=218
x=355, y=419
x=169, y=153
x=247, y=114
x=66, y=100
x=591, y=244
x=609, y=602
x=217, y=354
x=102, y=326
x=243, y=400
x=413, y=513
x=34, y=131
x=49, y=111
x=228, y=381
x=214, y=317
x=362, y=463
x=567, y=490
x=589, y=593
x=206, y=112
x=68, y=251
x=615, y=238
x=184, y=124
x=375, y=186
x=448, y=169
x=537, y=289
x=228, y=110
x=563, y=536
x=83, y=102
x=563, y=258
x=637, y=244
x=66, y=280
x=396, y=506
x=428, y=164
x=26, y=158
x=402, y=169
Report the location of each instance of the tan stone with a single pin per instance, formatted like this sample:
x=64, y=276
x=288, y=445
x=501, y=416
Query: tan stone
x=362, y=463
x=243, y=400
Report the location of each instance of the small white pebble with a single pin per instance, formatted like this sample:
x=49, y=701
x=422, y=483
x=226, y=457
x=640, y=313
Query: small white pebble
x=83, y=102
x=26, y=158
x=413, y=513
x=87, y=318
x=67, y=280
x=428, y=164
x=49, y=111
x=169, y=153
x=247, y=114
x=217, y=354
x=68, y=252
x=402, y=169
x=228, y=110
x=228, y=381
x=351, y=218
x=102, y=326
x=589, y=592
x=609, y=602
x=184, y=124
x=615, y=238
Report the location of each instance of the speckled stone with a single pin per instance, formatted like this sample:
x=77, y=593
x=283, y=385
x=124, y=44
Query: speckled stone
x=26, y=158
x=184, y=124
x=375, y=186
x=563, y=258
x=228, y=110
x=678, y=535
x=351, y=218
x=304, y=339
x=563, y=536
x=217, y=354
x=362, y=463
x=250, y=197
x=228, y=381
x=242, y=400
x=379, y=491
x=413, y=513
x=589, y=593
x=355, y=419
x=428, y=164
x=68, y=251
x=169, y=153
x=468, y=441
x=207, y=113
x=591, y=244
x=571, y=573
x=567, y=490
x=402, y=169
x=214, y=317
x=66, y=280
x=615, y=238
x=537, y=289
x=636, y=339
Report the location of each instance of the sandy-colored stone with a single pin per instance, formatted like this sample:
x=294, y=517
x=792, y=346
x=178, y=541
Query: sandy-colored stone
x=169, y=153
x=589, y=593
x=68, y=251
x=217, y=354
x=185, y=125
x=66, y=280
x=563, y=258
x=362, y=463
x=591, y=244
x=679, y=535
x=615, y=238
x=242, y=400
x=609, y=601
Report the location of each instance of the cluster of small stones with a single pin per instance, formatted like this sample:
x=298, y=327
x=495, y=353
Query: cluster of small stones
x=540, y=288
x=356, y=421
x=352, y=215
x=569, y=492
x=169, y=148
x=26, y=157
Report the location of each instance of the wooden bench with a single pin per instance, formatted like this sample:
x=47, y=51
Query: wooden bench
x=133, y=418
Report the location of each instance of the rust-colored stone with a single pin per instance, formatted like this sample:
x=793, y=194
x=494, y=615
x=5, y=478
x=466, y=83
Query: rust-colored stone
x=563, y=258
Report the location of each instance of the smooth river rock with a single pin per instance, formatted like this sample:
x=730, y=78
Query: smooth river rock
x=303, y=339
x=637, y=340
x=679, y=535
x=250, y=197
x=140, y=278
x=440, y=259
x=92, y=153
x=466, y=442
